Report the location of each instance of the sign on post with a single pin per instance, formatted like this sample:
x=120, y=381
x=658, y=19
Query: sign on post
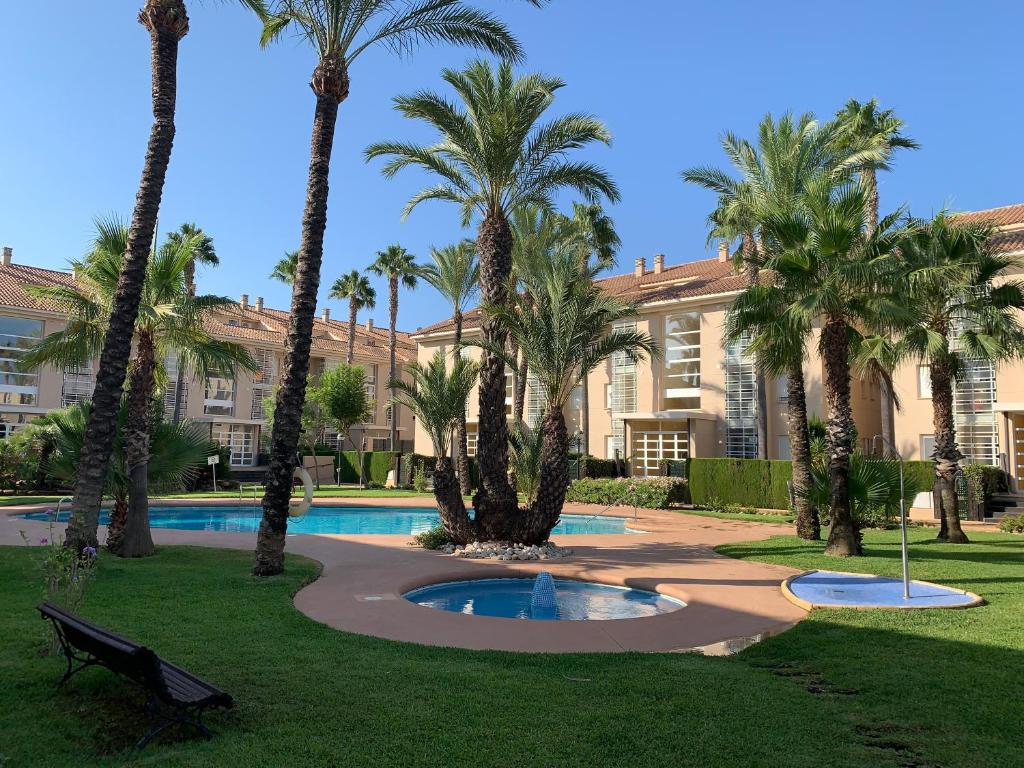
x=213, y=461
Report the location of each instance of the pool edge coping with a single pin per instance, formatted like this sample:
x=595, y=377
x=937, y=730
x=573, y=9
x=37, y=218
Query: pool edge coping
x=807, y=605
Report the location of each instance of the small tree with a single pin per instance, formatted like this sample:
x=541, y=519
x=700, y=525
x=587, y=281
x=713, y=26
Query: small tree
x=342, y=401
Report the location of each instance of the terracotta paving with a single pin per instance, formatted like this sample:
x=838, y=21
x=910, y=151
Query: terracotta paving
x=364, y=577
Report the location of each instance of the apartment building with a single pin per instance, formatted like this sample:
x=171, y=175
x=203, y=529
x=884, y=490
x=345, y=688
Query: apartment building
x=232, y=406
x=698, y=400
x=988, y=401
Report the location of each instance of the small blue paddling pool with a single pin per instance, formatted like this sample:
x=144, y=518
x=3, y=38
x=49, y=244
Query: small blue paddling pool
x=543, y=598
x=832, y=589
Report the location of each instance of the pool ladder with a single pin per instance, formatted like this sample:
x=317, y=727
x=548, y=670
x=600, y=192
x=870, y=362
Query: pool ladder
x=60, y=501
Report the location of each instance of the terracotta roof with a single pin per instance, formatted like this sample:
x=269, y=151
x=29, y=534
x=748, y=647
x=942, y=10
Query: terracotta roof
x=683, y=281
x=1009, y=216
x=14, y=278
x=1008, y=242
x=329, y=338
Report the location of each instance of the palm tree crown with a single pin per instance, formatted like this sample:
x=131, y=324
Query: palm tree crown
x=396, y=263
x=354, y=287
x=454, y=273
x=284, y=269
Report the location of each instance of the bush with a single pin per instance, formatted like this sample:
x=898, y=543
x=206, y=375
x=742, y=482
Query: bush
x=987, y=479
x=749, y=482
x=593, y=467
x=1012, y=524
x=435, y=538
x=376, y=465
x=203, y=478
x=419, y=480
x=649, y=493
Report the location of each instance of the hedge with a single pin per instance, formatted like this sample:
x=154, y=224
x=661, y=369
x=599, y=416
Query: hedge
x=591, y=466
x=649, y=492
x=750, y=482
x=413, y=461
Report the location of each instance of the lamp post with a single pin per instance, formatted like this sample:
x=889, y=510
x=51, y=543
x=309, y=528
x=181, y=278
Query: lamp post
x=904, y=554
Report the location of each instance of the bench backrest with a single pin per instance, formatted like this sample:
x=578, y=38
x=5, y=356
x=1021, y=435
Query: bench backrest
x=119, y=654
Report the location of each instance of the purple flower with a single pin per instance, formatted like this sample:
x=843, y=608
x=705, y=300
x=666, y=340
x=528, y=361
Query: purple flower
x=89, y=551
x=44, y=540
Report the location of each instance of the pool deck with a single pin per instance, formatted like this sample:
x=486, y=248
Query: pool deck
x=364, y=577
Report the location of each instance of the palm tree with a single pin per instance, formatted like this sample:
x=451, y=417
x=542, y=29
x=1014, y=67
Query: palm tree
x=563, y=336
x=963, y=310
x=493, y=157
x=203, y=253
x=167, y=23
x=438, y=399
x=455, y=274
x=841, y=276
x=170, y=321
x=778, y=346
x=177, y=453
x=339, y=31
x=863, y=127
x=284, y=269
x=398, y=266
x=361, y=295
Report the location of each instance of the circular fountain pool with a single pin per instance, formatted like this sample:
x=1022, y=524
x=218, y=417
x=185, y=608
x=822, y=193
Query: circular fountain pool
x=543, y=598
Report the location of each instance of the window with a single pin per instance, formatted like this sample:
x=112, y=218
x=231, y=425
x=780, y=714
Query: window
x=262, y=382
x=782, y=388
x=508, y=392
x=536, y=401
x=924, y=382
x=652, y=447
x=471, y=436
x=682, y=361
x=240, y=440
x=171, y=389
x=622, y=392
x=387, y=415
x=380, y=444
x=740, y=402
x=220, y=396
x=370, y=380
x=17, y=334
x=78, y=385
x=927, y=447
x=974, y=395
x=12, y=422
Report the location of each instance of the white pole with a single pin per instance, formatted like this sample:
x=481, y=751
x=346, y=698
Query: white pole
x=213, y=467
x=904, y=554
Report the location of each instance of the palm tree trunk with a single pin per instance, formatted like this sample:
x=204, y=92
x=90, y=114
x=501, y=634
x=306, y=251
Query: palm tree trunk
x=392, y=345
x=947, y=455
x=450, y=507
x=353, y=311
x=167, y=23
x=461, y=441
x=807, y=524
x=843, y=536
x=554, y=477
x=179, y=379
x=495, y=501
x=135, y=540
x=330, y=84
x=870, y=181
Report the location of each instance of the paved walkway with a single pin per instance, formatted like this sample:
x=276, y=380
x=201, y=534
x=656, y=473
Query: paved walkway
x=364, y=577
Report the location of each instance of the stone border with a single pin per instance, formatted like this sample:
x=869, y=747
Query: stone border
x=787, y=591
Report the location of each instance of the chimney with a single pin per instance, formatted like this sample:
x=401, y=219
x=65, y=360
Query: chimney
x=327, y=314
x=723, y=251
x=369, y=325
x=640, y=267
x=244, y=303
x=259, y=303
x=8, y=255
x=659, y=263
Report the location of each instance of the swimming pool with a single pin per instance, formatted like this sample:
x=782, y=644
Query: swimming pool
x=347, y=520
x=517, y=598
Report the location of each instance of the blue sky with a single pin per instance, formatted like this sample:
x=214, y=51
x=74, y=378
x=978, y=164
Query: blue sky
x=667, y=77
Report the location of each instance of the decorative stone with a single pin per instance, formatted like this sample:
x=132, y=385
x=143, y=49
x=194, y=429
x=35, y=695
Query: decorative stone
x=505, y=551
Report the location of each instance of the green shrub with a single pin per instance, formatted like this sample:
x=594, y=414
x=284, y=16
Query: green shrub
x=376, y=465
x=920, y=473
x=986, y=478
x=649, y=493
x=419, y=479
x=1012, y=524
x=435, y=538
x=593, y=467
x=749, y=482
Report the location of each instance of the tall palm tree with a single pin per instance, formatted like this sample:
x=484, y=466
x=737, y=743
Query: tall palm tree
x=438, y=398
x=360, y=294
x=455, y=274
x=284, y=269
x=864, y=127
x=204, y=254
x=398, y=266
x=339, y=31
x=563, y=336
x=494, y=156
x=842, y=277
x=963, y=309
x=170, y=321
x=167, y=23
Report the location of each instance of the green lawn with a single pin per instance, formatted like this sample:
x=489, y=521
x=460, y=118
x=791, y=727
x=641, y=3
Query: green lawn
x=741, y=516
x=841, y=689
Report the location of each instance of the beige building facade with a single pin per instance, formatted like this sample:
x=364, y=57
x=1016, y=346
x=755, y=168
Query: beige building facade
x=232, y=406
x=697, y=400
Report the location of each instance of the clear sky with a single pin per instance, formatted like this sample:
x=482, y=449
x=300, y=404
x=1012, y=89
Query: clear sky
x=666, y=76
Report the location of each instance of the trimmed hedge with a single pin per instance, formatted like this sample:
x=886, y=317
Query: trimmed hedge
x=592, y=467
x=749, y=482
x=649, y=493
x=414, y=461
x=376, y=465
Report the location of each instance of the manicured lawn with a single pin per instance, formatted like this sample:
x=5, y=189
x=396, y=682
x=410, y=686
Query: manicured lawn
x=13, y=501
x=742, y=516
x=841, y=689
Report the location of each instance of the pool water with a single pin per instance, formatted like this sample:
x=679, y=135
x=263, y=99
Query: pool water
x=347, y=520
x=511, y=599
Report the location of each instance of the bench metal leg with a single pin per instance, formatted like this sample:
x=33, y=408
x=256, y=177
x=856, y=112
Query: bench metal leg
x=179, y=717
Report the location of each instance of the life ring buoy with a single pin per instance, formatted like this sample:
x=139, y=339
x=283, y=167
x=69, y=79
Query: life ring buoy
x=300, y=507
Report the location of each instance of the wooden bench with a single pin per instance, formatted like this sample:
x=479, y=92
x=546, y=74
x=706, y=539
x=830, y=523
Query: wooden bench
x=173, y=695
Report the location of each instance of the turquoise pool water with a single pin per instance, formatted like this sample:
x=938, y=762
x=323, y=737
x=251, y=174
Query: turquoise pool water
x=349, y=520
x=514, y=599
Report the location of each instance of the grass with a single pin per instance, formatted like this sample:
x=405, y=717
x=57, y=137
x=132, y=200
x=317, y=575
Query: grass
x=747, y=517
x=843, y=688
